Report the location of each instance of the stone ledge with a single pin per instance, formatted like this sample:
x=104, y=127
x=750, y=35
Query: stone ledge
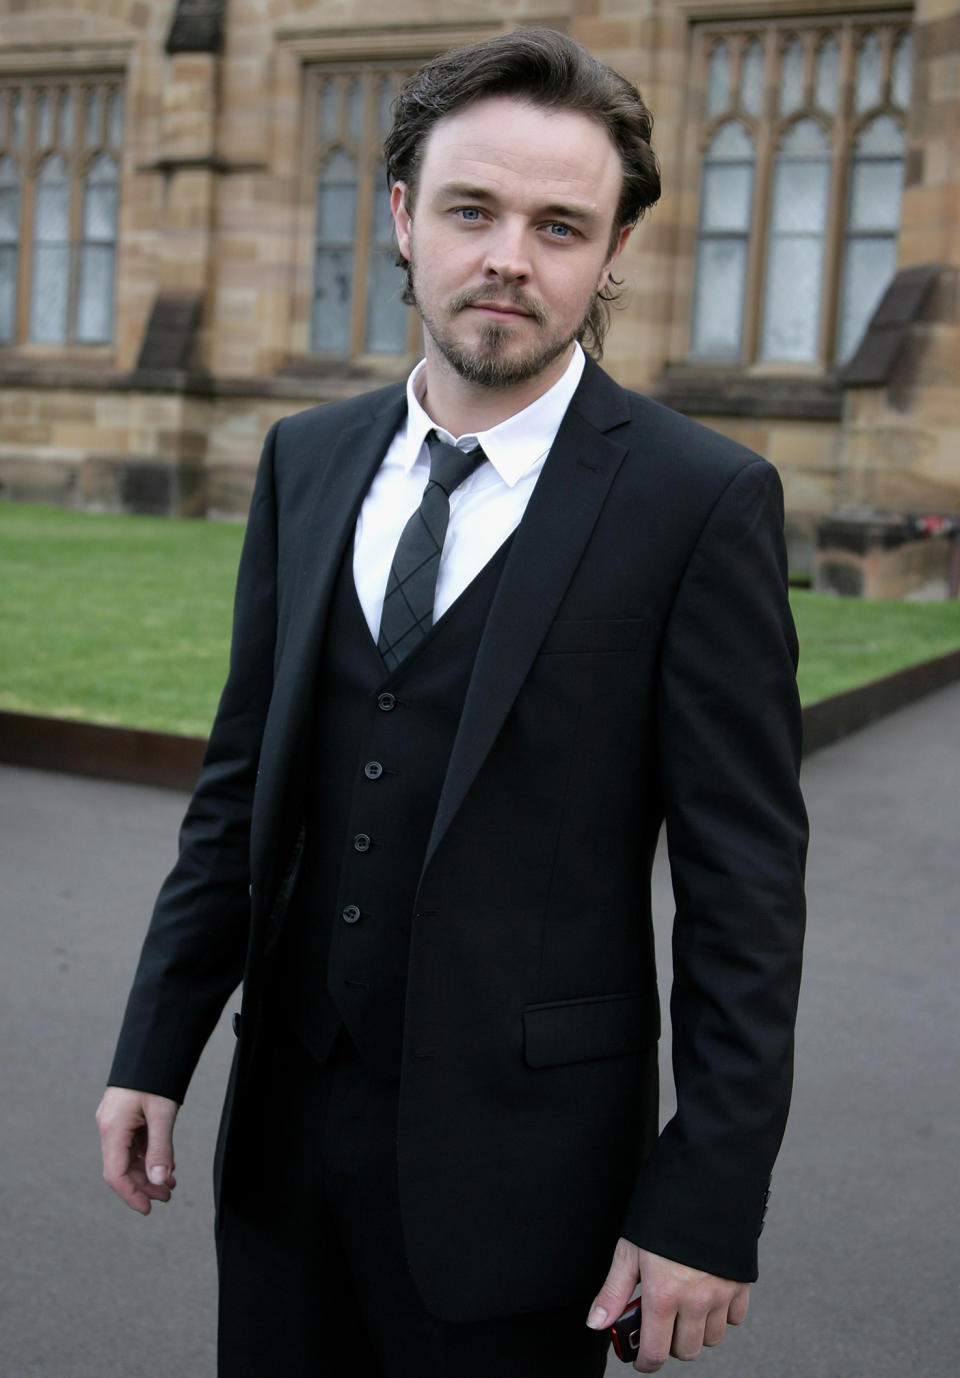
x=702, y=391
x=168, y=761
x=322, y=385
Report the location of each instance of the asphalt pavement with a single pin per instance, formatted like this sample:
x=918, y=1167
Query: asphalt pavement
x=859, y=1259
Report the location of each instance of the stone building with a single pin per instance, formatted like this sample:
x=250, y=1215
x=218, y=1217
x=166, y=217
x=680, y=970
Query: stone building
x=194, y=240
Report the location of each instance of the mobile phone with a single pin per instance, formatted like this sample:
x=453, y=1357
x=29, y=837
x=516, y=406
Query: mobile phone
x=625, y=1332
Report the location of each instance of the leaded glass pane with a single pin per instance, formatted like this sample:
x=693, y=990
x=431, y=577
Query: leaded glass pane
x=66, y=119
x=751, y=79
x=805, y=139
x=718, y=299
x=115, y=118
x=718, y=81
x=875, y=191
x=868, y=73
x=95, y=294
x=791, y=78
x=329, y=111
x=9, y=201
x=882, y=137
x=801, y=187
x=731, y=143
x=337, y=199
x=355, y=110
x=94, y=117
x=384, y=104
x=792, y=303
x=18, y=120
x=100, y=202
x=48, y=297
x=725, y=197
x=8, y=292
x=385, y=329
x=387, y=315
x=44, y=117
x=800, y=192
x=828, y=62
x=52, y=213
x=902, y=75
x=868, y=271
x=333, y=288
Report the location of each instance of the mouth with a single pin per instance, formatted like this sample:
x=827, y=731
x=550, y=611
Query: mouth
x=500, y=311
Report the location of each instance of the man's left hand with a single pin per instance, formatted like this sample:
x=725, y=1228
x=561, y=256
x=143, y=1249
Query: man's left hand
x=683, y=1309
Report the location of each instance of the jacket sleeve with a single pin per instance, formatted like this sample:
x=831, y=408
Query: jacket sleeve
x=729, y=740
x=193, y=954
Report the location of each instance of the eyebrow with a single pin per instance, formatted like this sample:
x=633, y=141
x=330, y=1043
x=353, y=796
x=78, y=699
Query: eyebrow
x=560, y=210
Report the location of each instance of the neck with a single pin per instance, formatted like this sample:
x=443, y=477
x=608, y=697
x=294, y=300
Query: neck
x=464, y=408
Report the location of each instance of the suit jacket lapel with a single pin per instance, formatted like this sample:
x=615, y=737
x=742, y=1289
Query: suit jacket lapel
x=333, y=507
x=549, y=542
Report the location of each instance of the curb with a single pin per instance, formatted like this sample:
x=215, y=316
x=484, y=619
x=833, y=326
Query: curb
x=167, y=761
x=831, y=719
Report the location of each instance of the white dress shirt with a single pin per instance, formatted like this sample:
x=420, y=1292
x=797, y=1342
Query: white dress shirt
x=484, y=510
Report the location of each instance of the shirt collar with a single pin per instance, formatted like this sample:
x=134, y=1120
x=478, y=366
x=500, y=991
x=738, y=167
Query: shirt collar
x=513, y=446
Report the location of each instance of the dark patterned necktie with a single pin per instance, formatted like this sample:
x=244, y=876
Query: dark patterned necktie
x=412, y=583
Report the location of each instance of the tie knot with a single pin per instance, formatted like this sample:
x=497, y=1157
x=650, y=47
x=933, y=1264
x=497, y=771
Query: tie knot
x=450, y=466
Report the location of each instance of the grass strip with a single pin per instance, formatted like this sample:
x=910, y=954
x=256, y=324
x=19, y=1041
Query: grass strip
x=118, y=619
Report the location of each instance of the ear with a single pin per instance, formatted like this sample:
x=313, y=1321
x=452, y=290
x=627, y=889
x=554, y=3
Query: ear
x=401, y=217
x=622, y=238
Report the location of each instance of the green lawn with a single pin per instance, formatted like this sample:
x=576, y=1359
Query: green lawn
x=115, y=619
x=127, y=620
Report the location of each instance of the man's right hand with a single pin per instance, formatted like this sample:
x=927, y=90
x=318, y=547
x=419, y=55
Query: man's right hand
x=136, y=1136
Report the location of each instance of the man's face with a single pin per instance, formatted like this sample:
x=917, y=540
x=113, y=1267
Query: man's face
x=510, y=237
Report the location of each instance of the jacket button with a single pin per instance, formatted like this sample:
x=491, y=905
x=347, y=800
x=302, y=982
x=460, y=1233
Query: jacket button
x=351, y=914
x=373, y=770
x=361, y=843
x=235, y=1023
x=386, y=702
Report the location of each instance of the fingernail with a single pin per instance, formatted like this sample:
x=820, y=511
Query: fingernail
x=597, y=1318
x=158, y=1174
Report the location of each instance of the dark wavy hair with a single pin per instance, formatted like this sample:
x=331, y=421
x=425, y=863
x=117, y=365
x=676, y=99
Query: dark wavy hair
x=548, y=69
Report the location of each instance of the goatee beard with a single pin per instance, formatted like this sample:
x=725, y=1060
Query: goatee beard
x=487, y=365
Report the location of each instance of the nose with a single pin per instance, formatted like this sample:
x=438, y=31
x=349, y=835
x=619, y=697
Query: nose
x=507, y=256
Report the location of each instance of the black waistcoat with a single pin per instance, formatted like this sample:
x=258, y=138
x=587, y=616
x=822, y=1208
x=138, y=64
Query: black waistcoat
x=381, y=745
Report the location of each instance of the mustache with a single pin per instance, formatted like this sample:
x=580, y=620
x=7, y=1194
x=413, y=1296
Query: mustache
x=476, y=296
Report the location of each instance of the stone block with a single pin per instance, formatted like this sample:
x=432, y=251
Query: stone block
x=869, y=553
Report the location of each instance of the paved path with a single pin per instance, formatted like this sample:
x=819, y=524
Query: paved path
x=860, y=1255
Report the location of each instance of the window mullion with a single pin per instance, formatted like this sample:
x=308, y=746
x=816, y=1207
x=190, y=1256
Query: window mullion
x=75, y=168
x=29, y=174
x=836, y=220
x=361, y=265
x=766, y=144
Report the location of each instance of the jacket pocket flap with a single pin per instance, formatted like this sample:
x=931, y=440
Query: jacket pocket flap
x=583, y=1030
x=593, y=634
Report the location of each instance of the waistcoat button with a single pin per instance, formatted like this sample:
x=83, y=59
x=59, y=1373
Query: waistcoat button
x=373, y=770
x=361, y=842
x=386, y=702
x=351, y=914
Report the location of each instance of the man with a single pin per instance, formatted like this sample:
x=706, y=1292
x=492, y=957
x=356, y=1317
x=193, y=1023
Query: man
x=457, y=714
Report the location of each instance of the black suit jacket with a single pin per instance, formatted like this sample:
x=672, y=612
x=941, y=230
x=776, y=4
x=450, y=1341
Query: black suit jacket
x=638, y=664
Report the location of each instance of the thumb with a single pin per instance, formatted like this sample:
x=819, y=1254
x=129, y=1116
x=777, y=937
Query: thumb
x=618, y=1288
x=158, y=1158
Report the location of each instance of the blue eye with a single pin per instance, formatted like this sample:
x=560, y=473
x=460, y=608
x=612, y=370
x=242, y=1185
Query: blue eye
x=560, y=231
x=470, y=213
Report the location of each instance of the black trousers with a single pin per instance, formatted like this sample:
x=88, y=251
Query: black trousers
x=314, y=1281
